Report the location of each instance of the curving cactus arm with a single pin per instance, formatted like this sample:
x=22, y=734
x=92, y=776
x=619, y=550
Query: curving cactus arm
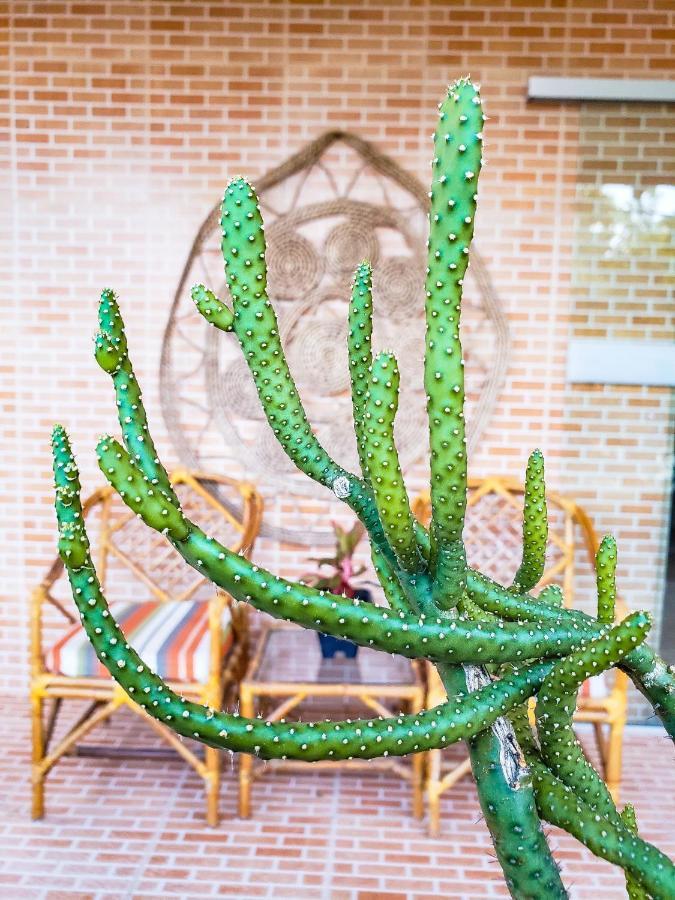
x=381, y=459
x=560, y=806
x=255, y=324
x=457, y=719
x=655, y=680
x=453, y=640
x=653, y=677
x=535, y=525
x=556, y=703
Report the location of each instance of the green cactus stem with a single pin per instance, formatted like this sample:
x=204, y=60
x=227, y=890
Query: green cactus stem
x=452, y=210
x=360, y=351
x=605, y=568
x=112, y=355
x=214, y=310
x=556, y=704
x=552, y=595
x=655, y=680
x=535, y=525
x=650, y=674
x=381, y=459
x=255, y=325
x=522, y=608
x=507, y=800
x=390, y=580
x=634, y=888
x=473, y=611
x=560, y=806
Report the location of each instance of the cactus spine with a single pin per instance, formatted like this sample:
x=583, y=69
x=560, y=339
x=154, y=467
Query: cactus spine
x=439, y=609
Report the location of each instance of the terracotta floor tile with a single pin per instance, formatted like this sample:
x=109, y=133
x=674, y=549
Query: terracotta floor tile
x=134, y=829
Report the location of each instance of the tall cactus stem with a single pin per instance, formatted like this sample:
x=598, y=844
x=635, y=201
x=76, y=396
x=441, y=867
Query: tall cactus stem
x=455, y=169
x=112, y=355
x=360, y=352
x=382, y=463
x=507, y=800
x=605, y=569
x=535, y=525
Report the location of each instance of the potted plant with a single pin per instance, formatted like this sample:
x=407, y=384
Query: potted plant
x=340, y=581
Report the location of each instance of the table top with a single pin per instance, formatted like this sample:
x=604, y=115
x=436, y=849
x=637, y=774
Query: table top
x=292, y=655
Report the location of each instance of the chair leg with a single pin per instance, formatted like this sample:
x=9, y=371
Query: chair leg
x=246, y=708
x=614, y=758
x=418, y=767
x=212, y=759
x=433, y=793
x=601, y=741
x=37, y=776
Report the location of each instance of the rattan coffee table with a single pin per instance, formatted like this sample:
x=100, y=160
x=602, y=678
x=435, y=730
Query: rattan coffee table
x=287, y=678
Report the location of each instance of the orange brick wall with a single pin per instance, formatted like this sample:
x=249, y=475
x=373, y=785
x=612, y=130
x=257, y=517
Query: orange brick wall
x=119, y=124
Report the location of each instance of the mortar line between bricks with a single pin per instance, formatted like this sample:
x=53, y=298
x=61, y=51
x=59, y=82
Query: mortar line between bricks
x=329, y=869
x=161, y=823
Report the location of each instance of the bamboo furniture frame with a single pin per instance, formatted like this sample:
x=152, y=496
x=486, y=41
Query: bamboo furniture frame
x=570, y=533
x=282, y=697
x=104, y=694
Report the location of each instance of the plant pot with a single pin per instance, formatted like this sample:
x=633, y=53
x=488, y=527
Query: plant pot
x=331, y=645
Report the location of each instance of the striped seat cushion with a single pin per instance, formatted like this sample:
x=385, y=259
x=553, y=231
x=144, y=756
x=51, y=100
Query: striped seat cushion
x=171, y=637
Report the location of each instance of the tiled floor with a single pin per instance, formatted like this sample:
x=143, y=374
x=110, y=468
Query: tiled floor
x=133, y=829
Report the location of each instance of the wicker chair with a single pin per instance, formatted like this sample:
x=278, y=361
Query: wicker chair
x=493, y=536
x=197, y=639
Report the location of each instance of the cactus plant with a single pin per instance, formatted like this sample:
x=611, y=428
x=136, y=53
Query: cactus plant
x=494, y=646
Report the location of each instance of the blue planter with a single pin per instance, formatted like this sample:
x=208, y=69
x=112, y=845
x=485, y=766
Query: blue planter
x=331, y=645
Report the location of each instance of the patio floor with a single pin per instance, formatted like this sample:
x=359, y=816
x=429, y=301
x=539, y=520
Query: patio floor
x=135, y=828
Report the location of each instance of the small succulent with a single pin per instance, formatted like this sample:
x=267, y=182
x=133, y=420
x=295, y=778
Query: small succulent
x=341, y=580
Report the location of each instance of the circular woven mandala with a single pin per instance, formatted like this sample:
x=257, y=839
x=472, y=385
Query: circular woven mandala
x=236, y=391
x=317, y=353
x=348, y=244
x=294, y=266
x=398, y=288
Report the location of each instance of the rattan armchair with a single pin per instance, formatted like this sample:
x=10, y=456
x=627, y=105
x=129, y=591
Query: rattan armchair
x=197, y=639
x=493, y=536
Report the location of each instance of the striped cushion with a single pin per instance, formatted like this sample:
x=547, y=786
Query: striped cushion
x=172, y=638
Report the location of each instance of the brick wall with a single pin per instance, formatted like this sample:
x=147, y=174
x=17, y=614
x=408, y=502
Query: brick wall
x=120, y=123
